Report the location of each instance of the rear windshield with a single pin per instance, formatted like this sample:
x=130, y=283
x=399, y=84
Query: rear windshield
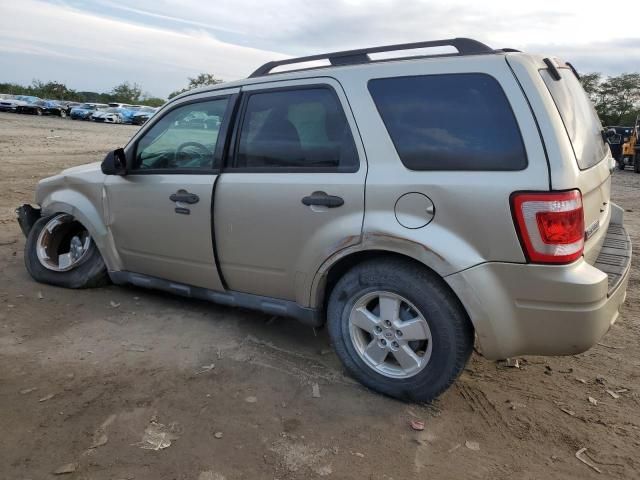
x=579, y=117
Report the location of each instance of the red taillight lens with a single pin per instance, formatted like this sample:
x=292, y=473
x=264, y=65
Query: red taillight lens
x=560, y=227
x=550, y=225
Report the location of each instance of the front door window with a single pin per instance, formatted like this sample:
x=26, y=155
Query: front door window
x=183, y=139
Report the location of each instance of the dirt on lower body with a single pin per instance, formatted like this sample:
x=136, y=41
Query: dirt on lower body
x=124, y=383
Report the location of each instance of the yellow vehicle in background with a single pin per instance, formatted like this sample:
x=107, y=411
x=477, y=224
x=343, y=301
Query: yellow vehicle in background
x=631, y=148
x=624, y=146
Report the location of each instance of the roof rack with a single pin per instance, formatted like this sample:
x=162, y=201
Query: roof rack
x=465, y=46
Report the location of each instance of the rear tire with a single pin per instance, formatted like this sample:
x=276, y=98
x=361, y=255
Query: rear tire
x=44, y=250
x=421, y=296
x=636, y=163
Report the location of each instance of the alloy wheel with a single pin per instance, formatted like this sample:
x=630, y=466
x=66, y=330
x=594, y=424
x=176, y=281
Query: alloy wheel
x=390, y=334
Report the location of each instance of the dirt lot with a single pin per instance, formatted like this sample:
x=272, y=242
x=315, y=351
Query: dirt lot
x=83, y=374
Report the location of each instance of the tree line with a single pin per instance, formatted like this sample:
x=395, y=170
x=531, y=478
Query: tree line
x=616, y=98
x=125, y=92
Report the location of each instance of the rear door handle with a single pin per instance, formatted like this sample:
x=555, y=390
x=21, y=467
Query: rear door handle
x=321, y=198
x=183, y=196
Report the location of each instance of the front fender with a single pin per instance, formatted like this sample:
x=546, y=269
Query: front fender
x=88, y=212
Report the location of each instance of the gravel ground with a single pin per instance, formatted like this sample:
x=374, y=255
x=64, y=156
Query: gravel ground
x=91, y=381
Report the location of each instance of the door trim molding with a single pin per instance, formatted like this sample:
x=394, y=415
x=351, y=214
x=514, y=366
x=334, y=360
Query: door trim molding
x=272, y=306
x=213, y=236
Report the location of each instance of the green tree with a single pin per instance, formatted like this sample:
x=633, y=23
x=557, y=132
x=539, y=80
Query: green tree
x=591, y=84
x=202, y=80
x=622, y=98
x=616, y=98
x=127, y=93
x=14, y=89
x=53, y=90
x=153, y=101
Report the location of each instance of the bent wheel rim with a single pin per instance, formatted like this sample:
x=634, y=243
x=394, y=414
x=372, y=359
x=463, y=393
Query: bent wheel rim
x=390, y=334
x=63, y=243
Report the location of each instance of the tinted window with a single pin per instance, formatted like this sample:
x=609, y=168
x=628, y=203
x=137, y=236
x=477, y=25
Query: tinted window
x=184, y=138
x=579, y=117
x=450, y=122
x=302, y=128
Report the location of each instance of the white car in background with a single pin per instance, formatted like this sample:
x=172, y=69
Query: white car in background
x=108, y=115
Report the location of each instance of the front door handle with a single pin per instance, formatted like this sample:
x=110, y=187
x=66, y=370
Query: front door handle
x=183, y=196
x=321, y=198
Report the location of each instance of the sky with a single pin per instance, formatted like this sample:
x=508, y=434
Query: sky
x=95, y=45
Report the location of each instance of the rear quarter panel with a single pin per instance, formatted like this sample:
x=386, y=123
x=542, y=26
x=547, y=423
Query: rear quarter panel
x=472, y=222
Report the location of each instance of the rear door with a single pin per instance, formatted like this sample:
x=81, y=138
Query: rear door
x=160, y=213
x=292, y=193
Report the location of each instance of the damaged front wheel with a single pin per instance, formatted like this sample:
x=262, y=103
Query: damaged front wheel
x=60, y=251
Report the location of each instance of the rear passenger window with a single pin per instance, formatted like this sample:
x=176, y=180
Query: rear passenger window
x=301, y=129
x=450, y=122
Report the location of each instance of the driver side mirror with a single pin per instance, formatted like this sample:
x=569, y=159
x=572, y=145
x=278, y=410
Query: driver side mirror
x=115, y=163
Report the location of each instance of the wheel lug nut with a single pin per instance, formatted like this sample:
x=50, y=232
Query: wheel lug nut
x=398, y=333
x=387, y=323
x=378, y=329
x=383, y=342
x=394, y=344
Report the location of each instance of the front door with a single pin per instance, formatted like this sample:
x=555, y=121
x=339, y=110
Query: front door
x=160, y=213
x=292, y=193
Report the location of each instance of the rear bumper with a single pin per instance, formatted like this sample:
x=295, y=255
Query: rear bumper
x=526, y=309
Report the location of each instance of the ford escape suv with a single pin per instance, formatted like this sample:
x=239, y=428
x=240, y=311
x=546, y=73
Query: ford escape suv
x=414, y=204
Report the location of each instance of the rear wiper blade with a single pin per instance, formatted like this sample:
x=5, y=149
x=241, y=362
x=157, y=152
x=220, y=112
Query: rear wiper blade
x=573, y=69
x=553, y=71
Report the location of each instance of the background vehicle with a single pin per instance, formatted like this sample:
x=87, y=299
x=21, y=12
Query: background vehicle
x=114, y=115
x=483, y=219
x=142, y=115
x=39, y=107
x=107, y=115
x=44, y=107
x=58, y=108
x=623, y=151
x=11, y=104
x=636, y=146
x=84, y=111
x=631, y=148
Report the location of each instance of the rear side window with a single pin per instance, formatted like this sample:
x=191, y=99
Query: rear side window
x=300, y=129
x=450, y=122
x=579, y=117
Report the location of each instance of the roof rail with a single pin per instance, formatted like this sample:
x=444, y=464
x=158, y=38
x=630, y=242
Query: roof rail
x=465, y=46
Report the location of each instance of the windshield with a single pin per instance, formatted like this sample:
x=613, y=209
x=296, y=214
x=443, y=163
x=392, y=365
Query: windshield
x=579, y=117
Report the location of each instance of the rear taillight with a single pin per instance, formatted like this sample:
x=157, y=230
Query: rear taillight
x=550, y=225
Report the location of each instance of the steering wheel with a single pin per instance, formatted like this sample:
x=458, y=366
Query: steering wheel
x=201, y=150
